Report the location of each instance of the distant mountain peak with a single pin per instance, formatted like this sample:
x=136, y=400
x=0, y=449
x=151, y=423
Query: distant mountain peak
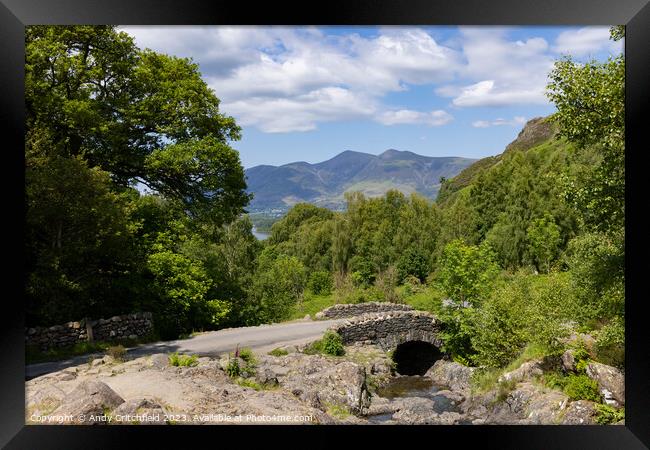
x=325, y=183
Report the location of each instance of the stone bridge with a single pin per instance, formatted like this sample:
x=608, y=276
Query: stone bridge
x=390, y=329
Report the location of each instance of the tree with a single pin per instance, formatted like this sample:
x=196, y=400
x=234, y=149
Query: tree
x=590, y=99
x=466, y=273
x=278, y=286
x=139, y=115
x=78, y=241
x=543, y=241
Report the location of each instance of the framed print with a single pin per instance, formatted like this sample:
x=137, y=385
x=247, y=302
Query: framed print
x=368, y=217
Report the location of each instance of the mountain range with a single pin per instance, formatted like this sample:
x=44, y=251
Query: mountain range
x=324, y=183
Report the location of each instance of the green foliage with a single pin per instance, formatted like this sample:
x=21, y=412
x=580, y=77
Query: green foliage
x=504, y=389
x=277, y=288
x=459, y=325
x=575, y=386
x=117, y=352
x=182, y=360
x=610, y=343
x=248, y=356
x=331, y=344
x=597, y=267
x=413, y=263
x=246, y=382
x=466, y=273
x=581, y=387
x=501, y=330
x=607, y=415
x=140, y=115
x=590, y=99
x=320, y=283
x=233, y=369
x=543, y=241
x=278, y=352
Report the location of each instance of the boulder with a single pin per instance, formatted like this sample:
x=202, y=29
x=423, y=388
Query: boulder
x=451, y=374
x=611, y=382
x=581, y=412
x=530, y=369
x=568, y=361
x=159, y=360
x=141, y=411
x=89, y=398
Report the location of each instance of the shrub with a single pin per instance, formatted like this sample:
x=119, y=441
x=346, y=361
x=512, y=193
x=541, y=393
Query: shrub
x=610, y=344
x=118, y=352
x=413, y=263
x=581, y=387
x=232, y=369
x=247, y=355
x=320, y=283
x=182, y=360
x=501, y=329
x=278, y=352
x=607, y=414
x=330, y=344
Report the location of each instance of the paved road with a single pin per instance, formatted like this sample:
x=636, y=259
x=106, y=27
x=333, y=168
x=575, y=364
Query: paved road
x=262, y=338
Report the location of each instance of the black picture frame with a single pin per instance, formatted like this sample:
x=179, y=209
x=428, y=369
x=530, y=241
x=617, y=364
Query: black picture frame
x=635, y=14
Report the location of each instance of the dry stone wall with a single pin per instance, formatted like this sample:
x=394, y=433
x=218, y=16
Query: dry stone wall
x=130, y=326
x=356, y=309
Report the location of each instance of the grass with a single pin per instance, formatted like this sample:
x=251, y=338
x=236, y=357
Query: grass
x=182, y=360
x=278, y=352
x=428, y=299
x=337, y=411
x=485, y=380
x=312, y=304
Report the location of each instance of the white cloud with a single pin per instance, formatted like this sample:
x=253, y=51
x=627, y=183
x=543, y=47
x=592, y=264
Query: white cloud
x=302, y=112
x=586, y=41
x=282, y=79
x=507, y=72
x=489, y=93
x=410, y=117
x=515, y=121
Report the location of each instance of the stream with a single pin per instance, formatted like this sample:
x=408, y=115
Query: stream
x=412, y=386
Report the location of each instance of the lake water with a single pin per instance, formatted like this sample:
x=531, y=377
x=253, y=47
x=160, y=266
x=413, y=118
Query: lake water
x=259, y=235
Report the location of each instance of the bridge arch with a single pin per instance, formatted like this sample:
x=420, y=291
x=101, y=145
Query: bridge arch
x=412, y=336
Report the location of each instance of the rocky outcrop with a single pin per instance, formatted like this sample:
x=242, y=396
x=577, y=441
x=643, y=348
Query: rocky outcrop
x=345, y=310
x=452, y=374
x=89, y=400
x=611, y=382
x=581, y=412
x=531, y=369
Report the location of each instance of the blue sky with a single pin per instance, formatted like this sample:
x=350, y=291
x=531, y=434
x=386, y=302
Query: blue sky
x=309, y=93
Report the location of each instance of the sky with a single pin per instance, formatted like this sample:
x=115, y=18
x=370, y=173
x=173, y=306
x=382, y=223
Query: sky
x=309, y=93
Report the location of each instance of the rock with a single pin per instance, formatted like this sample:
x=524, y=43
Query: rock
x=611, y=382
x=307, y=317
x=530, y=369
x=581, y=412
x=568, y=361
x=159, y=360
x=108, y=359
x=451, y=374
x=142, y=411
x=267, y=377
x=89, y=398
x=43, y=401
x=97, y=362
x=133, y=336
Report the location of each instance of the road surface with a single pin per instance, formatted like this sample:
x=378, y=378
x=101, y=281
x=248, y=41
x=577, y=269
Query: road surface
x=262, y=338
